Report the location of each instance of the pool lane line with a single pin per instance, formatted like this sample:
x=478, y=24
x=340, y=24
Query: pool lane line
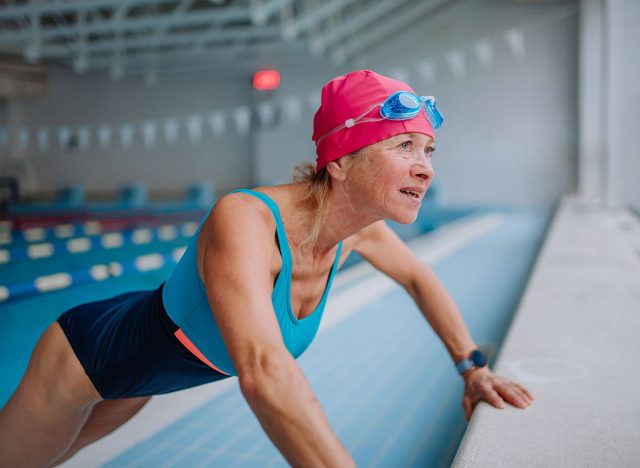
x=106, y=241
x=94, y=273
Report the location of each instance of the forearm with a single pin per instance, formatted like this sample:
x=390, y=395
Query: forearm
x=441, y=312
x=291, y=415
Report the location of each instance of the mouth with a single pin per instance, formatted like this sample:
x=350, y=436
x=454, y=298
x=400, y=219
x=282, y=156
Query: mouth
x=413, y=193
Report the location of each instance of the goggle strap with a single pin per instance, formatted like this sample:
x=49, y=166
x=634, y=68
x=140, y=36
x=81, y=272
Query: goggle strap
x=348, y=123
x=428, y=102
x=360, y=117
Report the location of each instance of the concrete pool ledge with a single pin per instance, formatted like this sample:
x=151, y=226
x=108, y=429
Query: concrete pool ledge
x=575, y=344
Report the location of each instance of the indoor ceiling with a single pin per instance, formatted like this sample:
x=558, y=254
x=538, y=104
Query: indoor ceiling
x=152, y=38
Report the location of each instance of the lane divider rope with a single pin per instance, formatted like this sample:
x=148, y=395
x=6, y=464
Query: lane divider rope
x=61, y=231
x=111, y=240
x=94, y=273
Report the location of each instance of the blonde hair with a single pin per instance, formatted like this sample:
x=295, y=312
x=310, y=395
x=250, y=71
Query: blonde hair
x=317, y=185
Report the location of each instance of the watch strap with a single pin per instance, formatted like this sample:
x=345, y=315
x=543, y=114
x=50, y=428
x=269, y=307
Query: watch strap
x=476, y=359
x=464, y=365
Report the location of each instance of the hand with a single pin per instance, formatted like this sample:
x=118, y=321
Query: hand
x=482, y=384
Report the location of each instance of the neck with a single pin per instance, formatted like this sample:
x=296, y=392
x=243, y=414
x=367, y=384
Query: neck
x=344, y=217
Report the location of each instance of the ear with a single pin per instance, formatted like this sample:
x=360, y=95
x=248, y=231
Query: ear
x=338, y=169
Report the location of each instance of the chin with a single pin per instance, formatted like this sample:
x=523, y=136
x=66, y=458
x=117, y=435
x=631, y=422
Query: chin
x=404, y=217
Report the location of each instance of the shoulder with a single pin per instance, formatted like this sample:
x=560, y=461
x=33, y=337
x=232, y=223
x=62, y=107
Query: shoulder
x=239, y=220
x=241, y=209
x=240, y=205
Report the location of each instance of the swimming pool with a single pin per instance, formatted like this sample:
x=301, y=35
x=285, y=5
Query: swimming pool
x=391, y=394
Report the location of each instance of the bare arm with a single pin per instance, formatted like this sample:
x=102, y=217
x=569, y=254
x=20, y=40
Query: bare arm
x=237, y=257
x=379, y=245
x=383, y=249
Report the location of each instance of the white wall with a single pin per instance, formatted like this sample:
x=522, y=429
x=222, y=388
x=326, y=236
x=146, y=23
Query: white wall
x=623, y=96
x=510, y=135
x=282, y=146
x=609, y=165
x=592, y=157
x=94, y=100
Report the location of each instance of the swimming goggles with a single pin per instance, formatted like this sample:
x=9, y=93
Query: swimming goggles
x=401, y=105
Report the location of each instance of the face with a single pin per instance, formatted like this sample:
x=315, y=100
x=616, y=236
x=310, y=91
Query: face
x=392, y=176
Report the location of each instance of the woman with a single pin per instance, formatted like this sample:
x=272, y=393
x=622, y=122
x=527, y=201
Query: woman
x=248, y=294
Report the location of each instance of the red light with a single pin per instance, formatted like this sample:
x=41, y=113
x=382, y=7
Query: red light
x=266, y=80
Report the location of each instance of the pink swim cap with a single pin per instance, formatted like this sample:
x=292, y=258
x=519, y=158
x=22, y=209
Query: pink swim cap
x=347, y=97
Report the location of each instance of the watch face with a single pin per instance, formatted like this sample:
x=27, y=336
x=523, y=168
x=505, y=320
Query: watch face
x=478, y=358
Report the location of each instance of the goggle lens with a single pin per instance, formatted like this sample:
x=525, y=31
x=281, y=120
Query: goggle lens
x=408, y=100
x=404, y=105
x=400, y=106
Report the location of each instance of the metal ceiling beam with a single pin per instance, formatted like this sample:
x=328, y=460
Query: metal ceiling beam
x=174, y=40
x=177, y=12
x=100, y=34
x=18, y=12
x=355, y=24
x=393, y=24
x=262, y=11
x=130, y=25
x=123, y=8
x=138, y=62
x=314, y=17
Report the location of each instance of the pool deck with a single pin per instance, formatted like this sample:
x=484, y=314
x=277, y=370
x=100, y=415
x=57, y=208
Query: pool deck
x=575, y=344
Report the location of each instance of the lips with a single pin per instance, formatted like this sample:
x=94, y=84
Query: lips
x=411, y=193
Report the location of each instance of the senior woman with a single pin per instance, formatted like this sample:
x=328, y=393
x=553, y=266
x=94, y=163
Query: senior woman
x=247, y=296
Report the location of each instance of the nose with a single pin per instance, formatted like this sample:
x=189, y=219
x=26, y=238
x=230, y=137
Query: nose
x=423, y=170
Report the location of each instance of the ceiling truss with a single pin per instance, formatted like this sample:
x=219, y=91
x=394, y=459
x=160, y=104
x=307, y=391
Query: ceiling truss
x=143, y=37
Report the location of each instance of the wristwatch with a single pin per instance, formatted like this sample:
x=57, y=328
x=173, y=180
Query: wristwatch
x=475, y=359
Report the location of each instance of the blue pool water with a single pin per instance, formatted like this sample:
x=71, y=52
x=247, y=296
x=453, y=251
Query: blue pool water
x=384, y=379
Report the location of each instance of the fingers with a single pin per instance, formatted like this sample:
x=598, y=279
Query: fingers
x=494, y=398
x=526, y=392
x=515, y=394
x=496, y=391
x=468, y=409
x=469, y=405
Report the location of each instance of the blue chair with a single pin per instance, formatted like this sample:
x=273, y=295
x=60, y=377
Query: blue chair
x=69, y=196
x=133, y=195
x=200, y=194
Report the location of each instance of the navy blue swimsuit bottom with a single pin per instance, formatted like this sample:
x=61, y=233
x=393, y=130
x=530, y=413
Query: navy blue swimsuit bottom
x=127, y=347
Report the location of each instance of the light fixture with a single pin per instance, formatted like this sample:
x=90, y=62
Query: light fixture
x=266, y=80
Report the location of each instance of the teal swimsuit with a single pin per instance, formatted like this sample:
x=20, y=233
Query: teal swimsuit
x=145, y=343
x=185, y=301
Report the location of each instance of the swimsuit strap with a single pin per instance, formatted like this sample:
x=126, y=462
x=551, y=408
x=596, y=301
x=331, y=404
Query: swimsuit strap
x=282, y=236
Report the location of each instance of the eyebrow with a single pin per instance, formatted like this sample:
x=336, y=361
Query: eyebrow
x=430, y=141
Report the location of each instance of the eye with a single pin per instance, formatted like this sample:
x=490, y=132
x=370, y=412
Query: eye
x=429, y=150
x=405, y=145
